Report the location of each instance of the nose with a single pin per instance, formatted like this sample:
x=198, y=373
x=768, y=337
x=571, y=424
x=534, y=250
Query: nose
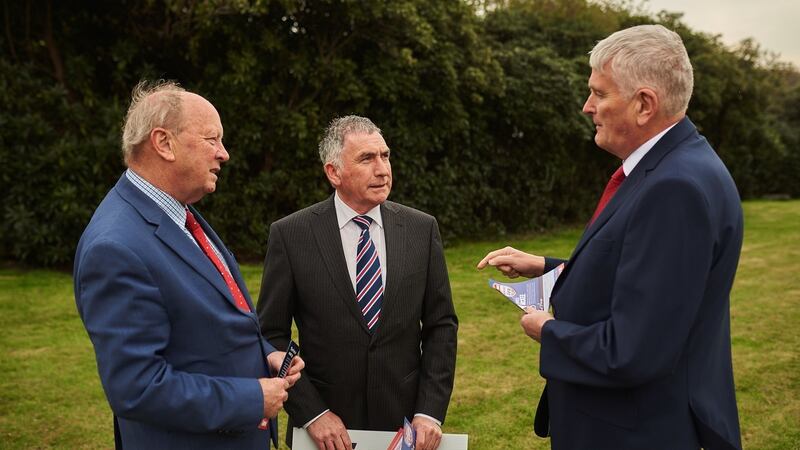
x=588, y=106
x=382, y=167
x=222, y=153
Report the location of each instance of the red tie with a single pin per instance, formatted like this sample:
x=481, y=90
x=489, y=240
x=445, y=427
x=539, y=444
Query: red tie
x=200, y=237
x=611, y=189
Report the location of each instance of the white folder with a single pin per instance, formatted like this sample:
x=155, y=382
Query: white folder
x=375, y=440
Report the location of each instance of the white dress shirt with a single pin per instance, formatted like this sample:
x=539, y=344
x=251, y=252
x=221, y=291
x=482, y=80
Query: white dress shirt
x=350, y=232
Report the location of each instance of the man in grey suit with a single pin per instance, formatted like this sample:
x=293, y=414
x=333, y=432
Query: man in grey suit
x=366, y=283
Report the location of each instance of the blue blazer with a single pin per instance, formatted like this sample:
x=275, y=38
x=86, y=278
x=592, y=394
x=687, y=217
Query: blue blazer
x=639, y=355
x=177, y=359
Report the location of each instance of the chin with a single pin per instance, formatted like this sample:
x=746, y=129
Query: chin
x=600, y=142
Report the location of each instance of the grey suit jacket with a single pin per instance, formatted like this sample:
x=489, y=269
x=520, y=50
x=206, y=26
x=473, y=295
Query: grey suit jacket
x=370, y=380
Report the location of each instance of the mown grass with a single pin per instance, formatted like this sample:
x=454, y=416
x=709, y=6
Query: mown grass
x=50, y=396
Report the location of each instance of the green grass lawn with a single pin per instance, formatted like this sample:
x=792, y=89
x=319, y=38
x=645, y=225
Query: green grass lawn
x=50, y=395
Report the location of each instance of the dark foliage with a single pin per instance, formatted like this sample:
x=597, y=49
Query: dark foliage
x=479, y=101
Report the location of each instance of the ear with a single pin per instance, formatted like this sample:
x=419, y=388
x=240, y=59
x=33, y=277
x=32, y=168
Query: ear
x=647, y=105
x=162, y=141
x=333, y=175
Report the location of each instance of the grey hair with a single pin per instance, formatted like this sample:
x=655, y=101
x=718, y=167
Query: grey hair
x=330, y=147
x=648, y=56
x=148, y=111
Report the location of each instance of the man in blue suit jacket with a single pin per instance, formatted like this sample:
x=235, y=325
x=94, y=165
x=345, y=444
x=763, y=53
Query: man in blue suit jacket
x=182, y=361
x=638, y=353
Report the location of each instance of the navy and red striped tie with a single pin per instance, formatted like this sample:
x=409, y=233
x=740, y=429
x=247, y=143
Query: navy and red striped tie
x=369, y=282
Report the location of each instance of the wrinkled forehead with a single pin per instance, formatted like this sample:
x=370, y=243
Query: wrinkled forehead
x=360, y=142
x=602, y=79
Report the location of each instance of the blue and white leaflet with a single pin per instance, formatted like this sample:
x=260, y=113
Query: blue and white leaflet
x=534, y=292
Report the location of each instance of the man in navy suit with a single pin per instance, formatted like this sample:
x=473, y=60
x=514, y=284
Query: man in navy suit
x=179, y=349
x=638, y=354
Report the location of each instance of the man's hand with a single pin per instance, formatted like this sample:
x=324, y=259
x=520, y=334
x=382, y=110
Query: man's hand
x=533, y=321
x=274, y=390
x=329, y=433
x=429, y=434
x=514, y=263
x=275, y=360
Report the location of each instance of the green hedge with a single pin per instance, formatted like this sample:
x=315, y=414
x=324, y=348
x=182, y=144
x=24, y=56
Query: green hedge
x=481, y=108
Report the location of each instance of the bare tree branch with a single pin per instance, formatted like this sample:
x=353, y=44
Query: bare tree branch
x=52, y=49
x=9, y=35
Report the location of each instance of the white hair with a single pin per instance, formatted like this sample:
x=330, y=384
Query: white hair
x=648, y=56
x=330, y=147
x=148, y=111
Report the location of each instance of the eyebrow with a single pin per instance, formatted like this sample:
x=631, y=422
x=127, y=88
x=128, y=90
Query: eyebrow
x=372, y=152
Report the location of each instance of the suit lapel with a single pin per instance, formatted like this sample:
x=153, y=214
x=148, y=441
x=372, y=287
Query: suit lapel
x=666, y=144
x=394, y=235
x=628, y=186
x=329, y=242
x=174, y=238
x=229, y=260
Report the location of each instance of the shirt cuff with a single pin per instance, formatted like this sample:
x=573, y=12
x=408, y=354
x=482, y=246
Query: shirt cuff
x=435, y=420
x=315, y=418
x=552, y=263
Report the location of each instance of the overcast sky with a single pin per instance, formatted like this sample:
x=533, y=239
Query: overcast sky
x=774, y=24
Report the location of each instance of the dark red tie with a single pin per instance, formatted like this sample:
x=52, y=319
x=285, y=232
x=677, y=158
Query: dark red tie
x=200, y=237
x=611, y=188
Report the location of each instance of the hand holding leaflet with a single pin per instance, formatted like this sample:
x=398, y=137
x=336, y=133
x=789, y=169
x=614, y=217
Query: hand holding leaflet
x=531, y=293
x=291, y=352
x=405, y=439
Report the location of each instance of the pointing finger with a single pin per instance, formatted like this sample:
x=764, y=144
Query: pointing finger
x=487, y=259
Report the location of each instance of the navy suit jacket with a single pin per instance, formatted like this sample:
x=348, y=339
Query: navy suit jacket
x=639, y=355
x=177, y=359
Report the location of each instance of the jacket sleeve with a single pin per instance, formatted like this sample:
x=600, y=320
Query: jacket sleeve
x=551, y=263
x=439, y=335
x=659, y=284
x=127, y=320
x=275, y=311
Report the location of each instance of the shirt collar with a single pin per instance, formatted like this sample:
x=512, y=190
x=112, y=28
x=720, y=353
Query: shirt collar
x=345, y=214
x=172, y=207
x=634, y=158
